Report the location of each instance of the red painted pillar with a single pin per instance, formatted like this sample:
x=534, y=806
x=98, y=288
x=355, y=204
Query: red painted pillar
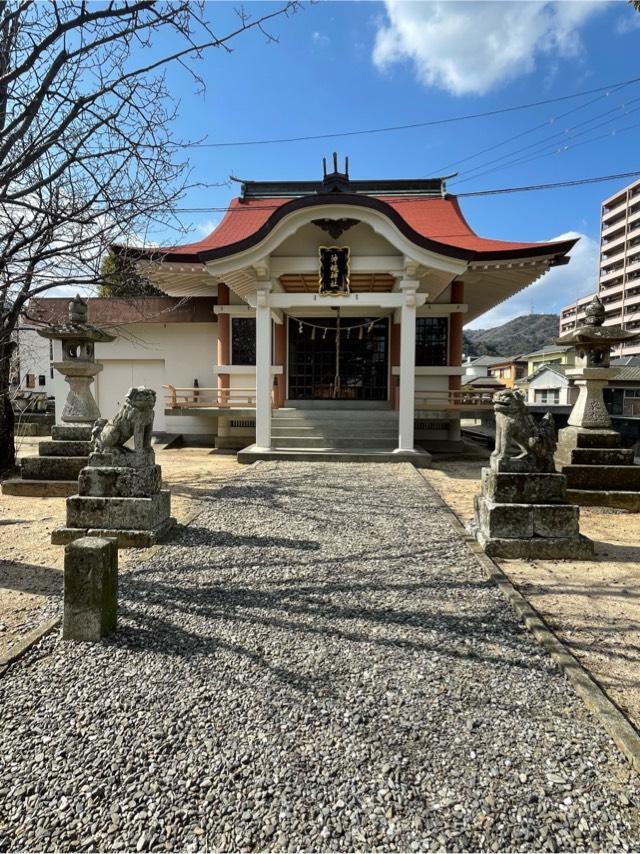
x=456, y=322
x=280, y=358
x=394, y=353
x=224, y=337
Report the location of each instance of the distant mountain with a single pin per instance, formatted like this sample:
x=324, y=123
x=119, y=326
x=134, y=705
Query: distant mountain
x=520, y=335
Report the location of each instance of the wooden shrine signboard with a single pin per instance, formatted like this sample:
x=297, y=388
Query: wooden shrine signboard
x=333, y=276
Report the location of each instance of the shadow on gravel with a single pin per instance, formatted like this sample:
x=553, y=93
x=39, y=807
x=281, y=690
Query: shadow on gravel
x=194, y=536
x=163, y=614
x=29, y=578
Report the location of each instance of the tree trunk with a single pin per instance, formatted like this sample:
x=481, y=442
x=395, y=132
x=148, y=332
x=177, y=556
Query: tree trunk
x=7, y=439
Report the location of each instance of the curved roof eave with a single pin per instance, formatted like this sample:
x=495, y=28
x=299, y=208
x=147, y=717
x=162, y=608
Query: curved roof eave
x=197, y=253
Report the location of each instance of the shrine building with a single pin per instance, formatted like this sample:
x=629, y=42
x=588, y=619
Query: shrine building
x=340, y=305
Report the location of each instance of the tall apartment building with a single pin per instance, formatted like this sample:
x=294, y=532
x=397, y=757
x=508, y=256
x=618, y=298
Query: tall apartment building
x=619, y=280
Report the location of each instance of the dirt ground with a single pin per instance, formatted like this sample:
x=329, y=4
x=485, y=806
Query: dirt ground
x=31, y=568
x=593, y=606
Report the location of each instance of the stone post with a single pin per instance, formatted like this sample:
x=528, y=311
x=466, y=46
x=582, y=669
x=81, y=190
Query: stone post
x=90, y=588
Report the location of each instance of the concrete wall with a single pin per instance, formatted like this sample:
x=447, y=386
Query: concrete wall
x=154, y=354
x=33, y=353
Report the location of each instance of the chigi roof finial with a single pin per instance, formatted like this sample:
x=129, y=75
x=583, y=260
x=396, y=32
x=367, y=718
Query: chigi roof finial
x=336, y=181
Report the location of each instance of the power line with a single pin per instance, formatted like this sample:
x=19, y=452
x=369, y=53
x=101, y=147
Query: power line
x=557, y=184
x=432, y=123
x=440, y=170
x=571, y=132
x=549, y=149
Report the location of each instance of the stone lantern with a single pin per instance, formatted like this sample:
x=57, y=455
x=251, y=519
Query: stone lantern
x=599, y=471
x=78, y=365
x=54, y=472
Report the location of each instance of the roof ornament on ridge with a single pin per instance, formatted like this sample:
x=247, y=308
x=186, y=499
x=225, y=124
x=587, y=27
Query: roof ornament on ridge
x=335, y=182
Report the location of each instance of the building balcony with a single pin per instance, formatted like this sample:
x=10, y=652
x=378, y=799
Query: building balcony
x=612, y=306
x=611, y=257
x=614, y=207
x=609, y=228
x=609, y=275
x=616, y=241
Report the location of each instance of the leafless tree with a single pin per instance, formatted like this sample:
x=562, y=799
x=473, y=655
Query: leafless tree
x=88, y=154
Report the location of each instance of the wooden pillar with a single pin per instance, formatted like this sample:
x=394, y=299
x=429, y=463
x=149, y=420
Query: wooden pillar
x=224, y=337
x=394, y=358
x=280, y=358
x=456, y=322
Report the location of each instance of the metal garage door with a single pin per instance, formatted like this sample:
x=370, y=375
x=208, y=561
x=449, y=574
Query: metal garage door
x=117, y=378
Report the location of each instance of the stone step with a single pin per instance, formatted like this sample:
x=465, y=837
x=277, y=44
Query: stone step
x=621, y=499
x=53, y=468
x=64, y=448
x=603, y=478
x=418, y=458
x=71, y=432
x=40, y=488
x=602, y=456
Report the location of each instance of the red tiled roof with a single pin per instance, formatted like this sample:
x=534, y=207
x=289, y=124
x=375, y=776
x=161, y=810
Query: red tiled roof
x=435, y=223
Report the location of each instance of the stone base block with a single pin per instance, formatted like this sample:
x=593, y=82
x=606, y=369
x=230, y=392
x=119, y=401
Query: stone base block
x=64, y=448
x=125, y=539
x=629, y=501
x=123, y=458
x=526, y=520
x=84, y=511
x=71, y=432
x=521, y=488
x=576, y=547
x=596, y=457
x=52, y=468
x=120, y=482
x=570, y=438
x=40, y=488
x=625, y=478
x=90, y=589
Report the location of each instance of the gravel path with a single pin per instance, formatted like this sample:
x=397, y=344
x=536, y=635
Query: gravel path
x=316, y=663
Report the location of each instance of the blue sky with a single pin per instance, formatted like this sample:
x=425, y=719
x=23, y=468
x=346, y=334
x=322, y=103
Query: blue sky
x=351, y=66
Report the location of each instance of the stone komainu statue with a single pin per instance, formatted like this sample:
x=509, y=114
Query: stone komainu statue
x=516, y=431
x=135, y=419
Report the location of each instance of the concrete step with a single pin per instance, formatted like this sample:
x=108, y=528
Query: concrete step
x=334, y=442
x=52, y=468
x=602, y=478
x=313, y=416
x=418, y=458
x=317, y=430
x=40, y=488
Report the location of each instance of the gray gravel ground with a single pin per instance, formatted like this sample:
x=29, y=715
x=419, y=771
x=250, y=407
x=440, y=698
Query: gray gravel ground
x=316, y=663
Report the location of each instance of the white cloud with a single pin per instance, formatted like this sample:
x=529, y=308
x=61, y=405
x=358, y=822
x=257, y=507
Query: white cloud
x=205, y=228
x=628, y=22
x=320, y=39
x=473, y=47
x=557, y=288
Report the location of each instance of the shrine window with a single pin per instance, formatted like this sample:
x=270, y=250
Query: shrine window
x=432, y=341
x=243, y=340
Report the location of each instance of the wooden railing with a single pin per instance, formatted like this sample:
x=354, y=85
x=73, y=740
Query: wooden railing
x=209, y=398
x=456, y=400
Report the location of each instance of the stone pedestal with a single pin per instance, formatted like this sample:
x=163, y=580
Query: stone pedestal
x=599, y=472
x=527, y=515
x=54, y=472
x=119, y=496
x=90, y=589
